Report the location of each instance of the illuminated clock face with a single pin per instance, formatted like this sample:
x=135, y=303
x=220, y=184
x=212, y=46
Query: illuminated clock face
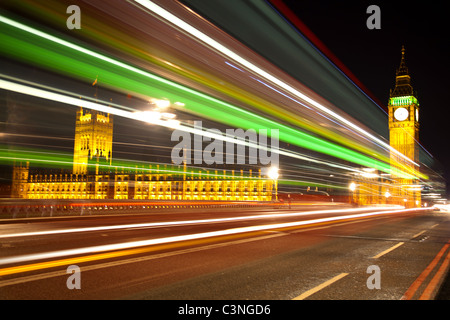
x=401, y=114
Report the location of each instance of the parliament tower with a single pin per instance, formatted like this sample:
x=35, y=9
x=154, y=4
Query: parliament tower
x=94, y=176
x=404, y=136
x=93, y=141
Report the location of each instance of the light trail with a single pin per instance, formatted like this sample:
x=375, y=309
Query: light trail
x=238, y=59
x=223, y=110
x=181, y=238
x=58, y=97
x=188, y=222
x=66, y=160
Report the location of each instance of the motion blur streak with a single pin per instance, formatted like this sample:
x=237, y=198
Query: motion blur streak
x=232, y=55
x=202, y=102
x=136, y=116
x=119, y=112
x=243, y=90
x=187, y=222
x=61, y=160
x=151, y=242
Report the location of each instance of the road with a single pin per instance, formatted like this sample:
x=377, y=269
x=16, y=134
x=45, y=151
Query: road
x=309, y=252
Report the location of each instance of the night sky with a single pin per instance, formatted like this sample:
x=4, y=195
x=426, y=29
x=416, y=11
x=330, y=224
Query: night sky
x=374, y=55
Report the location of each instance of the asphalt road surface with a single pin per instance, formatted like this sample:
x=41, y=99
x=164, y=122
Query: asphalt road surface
x=310, y=252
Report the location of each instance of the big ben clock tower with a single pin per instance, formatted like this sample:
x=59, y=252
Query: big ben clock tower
x=404, y=136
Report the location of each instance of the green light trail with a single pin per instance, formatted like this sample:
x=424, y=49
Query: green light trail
x=60, y=160
x=38, y=48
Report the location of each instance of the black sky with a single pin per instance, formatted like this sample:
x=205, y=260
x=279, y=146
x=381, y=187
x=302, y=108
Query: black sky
x=374, y=55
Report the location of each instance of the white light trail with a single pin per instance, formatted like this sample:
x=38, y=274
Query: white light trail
x=237, y=58
x=195, y=236
x=171, y=123
x=187, y=222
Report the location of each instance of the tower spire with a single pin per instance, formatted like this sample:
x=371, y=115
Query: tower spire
x=402, y=80
x=403, y=69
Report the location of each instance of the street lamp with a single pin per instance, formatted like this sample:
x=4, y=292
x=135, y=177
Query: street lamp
x=273, y=173
x=387, y=194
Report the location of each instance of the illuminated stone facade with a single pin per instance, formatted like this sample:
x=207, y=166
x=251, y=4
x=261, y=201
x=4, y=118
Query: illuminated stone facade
x=404, y=136
x=93, y=140
x=93, y=149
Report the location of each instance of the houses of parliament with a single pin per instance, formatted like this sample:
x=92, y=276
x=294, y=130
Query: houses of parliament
x=94, y=177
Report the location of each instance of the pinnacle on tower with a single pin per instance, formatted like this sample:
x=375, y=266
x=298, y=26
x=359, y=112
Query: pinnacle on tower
x=402, y=80
x=402, y=70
